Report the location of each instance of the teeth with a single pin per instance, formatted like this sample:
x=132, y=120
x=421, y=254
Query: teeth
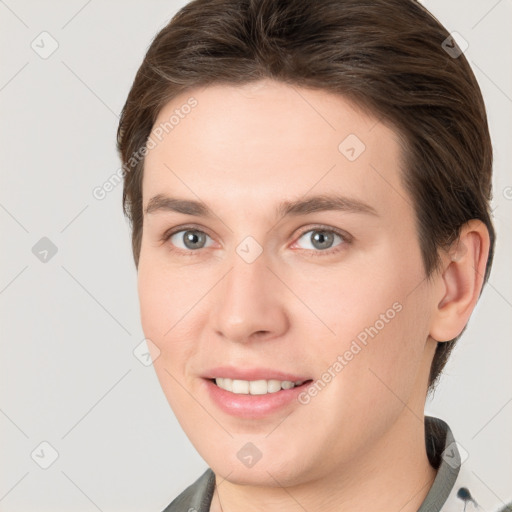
x=255, y=387
x=240, y=387
x=258, y=387
x=273, y=386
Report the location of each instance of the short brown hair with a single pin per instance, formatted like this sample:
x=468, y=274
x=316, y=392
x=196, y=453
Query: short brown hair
x=388, y=56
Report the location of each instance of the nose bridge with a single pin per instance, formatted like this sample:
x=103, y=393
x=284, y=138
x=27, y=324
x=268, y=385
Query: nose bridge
x=246, y=302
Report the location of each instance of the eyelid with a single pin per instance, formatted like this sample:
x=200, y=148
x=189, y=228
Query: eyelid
x=322, y=227
x=346, y=237
x=187, y=227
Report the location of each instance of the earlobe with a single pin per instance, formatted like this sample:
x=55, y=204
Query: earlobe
x=462, y=280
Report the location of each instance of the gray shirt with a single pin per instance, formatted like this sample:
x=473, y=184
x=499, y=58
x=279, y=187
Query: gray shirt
x=453, y=490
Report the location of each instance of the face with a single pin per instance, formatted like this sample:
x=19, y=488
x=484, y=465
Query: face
x=279, y=246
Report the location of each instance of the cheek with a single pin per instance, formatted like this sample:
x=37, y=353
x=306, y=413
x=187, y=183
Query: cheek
x=373, y=380
x=380, y=326
x=165, y=300
x=163, y=303
x=386, y=360
x=170, y=309
x=154, y=303
x=351, y=303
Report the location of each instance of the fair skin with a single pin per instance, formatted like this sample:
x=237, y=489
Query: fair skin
x=241, y=151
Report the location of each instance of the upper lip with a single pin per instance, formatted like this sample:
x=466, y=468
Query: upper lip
x=231, y=372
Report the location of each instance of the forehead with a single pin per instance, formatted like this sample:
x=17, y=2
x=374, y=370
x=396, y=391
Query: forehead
x=268, y=140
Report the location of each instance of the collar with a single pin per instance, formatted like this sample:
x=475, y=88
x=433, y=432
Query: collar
x=453, y=490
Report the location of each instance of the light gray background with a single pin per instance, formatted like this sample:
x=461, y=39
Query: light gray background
x=69, y=326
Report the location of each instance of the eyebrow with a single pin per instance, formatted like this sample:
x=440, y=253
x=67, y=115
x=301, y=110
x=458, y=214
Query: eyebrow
x=304, y=206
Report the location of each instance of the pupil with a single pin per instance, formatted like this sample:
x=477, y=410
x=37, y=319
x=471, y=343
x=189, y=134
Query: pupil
x=321, y=240
x=192, y=238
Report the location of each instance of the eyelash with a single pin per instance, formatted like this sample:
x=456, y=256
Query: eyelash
x=345, y=239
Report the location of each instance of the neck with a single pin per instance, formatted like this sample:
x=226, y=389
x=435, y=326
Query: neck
x=394, y=474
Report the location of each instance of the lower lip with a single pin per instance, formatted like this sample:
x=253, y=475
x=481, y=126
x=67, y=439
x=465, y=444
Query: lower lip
x=253, y=406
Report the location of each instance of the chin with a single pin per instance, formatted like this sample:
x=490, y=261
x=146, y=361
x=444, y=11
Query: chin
x=272, y=470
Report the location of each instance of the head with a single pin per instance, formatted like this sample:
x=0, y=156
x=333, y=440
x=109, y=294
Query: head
x=250, y=108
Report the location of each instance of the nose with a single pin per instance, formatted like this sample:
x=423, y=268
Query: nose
x=250, y=303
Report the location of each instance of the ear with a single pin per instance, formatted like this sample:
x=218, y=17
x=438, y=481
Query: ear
x=460, y=281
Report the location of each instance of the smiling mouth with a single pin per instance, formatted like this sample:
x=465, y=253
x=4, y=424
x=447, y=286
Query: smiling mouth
x=256, y=387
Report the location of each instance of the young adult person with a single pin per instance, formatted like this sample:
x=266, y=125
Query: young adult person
x=308, y=185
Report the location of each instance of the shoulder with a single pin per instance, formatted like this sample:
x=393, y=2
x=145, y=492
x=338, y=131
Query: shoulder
x=196, y=497
x=457, y=486
x=471, y=493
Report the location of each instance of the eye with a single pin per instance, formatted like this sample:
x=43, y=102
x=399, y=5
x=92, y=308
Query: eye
x=322, y=240
x=189, y=239
x=319, y=240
